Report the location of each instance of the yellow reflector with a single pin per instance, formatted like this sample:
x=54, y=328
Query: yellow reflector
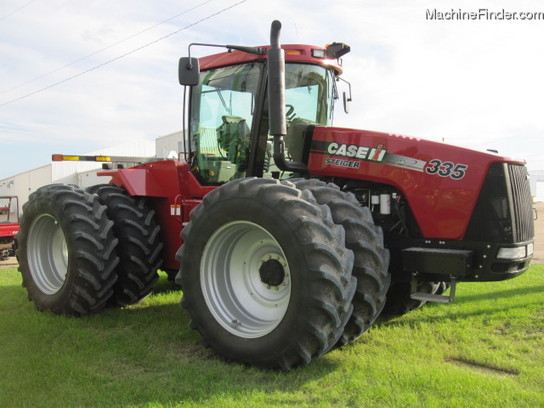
x=103, y=158
x=73, y=158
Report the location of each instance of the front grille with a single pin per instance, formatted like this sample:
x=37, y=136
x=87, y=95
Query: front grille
x=503, y=212
x=522, y=204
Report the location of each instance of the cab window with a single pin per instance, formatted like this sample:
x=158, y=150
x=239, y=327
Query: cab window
x=221, y=120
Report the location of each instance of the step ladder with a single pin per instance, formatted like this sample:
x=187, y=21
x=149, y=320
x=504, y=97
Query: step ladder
x=429, y=297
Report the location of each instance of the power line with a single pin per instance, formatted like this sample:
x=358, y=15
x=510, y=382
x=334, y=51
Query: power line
x=16, y=10
x=122, y=55
x=103, y=49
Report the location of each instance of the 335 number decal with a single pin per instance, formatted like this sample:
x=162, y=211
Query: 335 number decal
x=446, y=169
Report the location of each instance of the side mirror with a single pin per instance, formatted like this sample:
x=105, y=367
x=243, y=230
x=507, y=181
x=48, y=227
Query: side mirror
x=347, y=100
x=347, y=96
x=189, y=71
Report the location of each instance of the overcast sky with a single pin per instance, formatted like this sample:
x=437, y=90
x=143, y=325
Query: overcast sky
x=81, y=75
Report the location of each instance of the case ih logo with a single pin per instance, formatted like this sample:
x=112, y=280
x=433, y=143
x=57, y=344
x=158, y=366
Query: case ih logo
x=353, y=154
x=357, y=152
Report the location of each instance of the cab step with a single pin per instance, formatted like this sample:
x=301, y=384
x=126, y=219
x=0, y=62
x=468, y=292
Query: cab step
x=428, y=297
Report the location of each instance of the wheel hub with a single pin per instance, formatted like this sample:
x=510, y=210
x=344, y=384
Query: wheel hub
x=272, y=272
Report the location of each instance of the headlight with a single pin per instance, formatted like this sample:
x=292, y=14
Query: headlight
x=512, y=253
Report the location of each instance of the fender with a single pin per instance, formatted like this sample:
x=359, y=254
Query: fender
x=172, y=199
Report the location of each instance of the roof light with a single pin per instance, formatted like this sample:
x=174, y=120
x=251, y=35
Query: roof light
x=293, y=52
x=318, y=53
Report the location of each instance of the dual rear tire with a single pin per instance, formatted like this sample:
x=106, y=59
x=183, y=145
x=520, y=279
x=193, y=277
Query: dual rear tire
x=69, y=244
x=139, y=247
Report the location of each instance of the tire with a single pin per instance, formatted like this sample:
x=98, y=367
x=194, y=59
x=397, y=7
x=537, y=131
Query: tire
x=371, y=258
x=66, y=251
x=399, y=301
x=265, y=274
x=139, y=248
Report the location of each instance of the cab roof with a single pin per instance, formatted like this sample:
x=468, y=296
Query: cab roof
x=293, y=53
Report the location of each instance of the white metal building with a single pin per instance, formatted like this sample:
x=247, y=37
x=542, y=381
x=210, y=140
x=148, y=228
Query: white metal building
x=80, y=173
x=537, y=184
x=169, y=145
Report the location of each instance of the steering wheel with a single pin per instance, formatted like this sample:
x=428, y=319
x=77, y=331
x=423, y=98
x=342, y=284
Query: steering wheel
x=290, y=114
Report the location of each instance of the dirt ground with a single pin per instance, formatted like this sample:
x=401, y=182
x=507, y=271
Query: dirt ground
x=8, y=263
x=539, y=239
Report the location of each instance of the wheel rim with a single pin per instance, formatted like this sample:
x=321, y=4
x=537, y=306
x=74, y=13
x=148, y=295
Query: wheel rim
x=245, y=279
x=47, y=254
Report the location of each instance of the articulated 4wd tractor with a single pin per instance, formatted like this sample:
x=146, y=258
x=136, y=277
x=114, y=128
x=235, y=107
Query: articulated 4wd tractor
x=288, y=236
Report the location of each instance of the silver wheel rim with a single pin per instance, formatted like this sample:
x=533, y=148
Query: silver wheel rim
x=47, y=254
x=232, y=284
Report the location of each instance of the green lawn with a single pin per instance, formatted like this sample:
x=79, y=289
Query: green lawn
x=484, y=350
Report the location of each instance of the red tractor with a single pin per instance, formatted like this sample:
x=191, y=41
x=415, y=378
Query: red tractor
x=287, y=235
x=9, y=225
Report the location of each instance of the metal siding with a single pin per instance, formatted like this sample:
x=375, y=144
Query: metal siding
x=81, y=173
x=166, y=144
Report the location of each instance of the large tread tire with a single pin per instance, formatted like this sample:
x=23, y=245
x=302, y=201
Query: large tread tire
x=66, y=251
x=139, y=248
x=371, y=258
x=242, y=314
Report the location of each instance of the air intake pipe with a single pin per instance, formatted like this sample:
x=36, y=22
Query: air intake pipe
x=276, y=101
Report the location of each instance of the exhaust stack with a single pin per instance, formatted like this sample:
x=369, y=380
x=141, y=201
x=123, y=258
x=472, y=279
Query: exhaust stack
x=276, y=101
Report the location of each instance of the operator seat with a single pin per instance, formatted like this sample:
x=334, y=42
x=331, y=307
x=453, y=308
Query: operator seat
x=233, y=136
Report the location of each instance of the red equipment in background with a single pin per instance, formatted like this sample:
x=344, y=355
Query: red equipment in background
x=9, y=225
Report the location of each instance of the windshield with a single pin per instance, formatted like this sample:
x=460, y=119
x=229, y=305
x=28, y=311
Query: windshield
x=309, y=96
x=309, y=93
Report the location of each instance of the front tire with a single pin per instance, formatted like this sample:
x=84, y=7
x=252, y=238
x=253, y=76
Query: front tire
x=265, y=274
x=371, y=258
x=66, y=251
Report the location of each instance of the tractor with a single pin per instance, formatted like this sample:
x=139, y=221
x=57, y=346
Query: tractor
x=9, y=225
x=288, y=236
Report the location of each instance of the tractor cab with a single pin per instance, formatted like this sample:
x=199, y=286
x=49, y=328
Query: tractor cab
x=229, y=134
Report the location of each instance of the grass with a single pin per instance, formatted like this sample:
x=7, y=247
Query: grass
x=485, y=349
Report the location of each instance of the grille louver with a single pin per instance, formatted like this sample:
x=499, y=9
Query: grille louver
x=521, y=202
x=503, y=212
